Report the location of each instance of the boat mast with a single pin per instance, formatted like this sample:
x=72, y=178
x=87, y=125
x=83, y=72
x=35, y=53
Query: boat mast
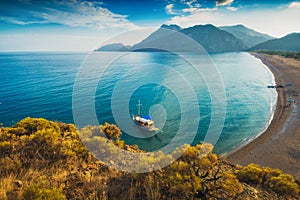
x=139, y=107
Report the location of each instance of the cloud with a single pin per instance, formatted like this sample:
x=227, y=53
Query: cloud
x=294, y=4
x=169, y=9
x=194, y=11
x=193, y=14
x=223, y=2
x=189, y=10
x=232, y=8
x=12, y=20
x=196, y=16
x=261, y=20
x=191, y=3
x=73, y=13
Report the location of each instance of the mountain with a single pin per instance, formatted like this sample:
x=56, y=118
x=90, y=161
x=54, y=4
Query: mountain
x=114, y=47
x=211, y=38
x=173, y=27
x=290, y=42
x=163, y=39
x=249, y=36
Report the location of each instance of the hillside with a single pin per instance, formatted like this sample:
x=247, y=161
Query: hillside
x=42, y=159
x=212, y=39
x=249, y=36
x=114, y=47
x=290, y=42
x=163, y=39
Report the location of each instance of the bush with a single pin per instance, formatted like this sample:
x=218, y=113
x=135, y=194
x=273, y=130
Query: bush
x=251, y=174
x=287, y=54
x=5, y=147
x=37, y=192
x=29, y=126
x=228, y=186
x=39, y=148
x=284, y=184
x=181, y=181
x=111, y=131
x=274, y=179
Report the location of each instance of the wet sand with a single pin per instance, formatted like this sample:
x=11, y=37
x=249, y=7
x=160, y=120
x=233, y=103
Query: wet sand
x=279, y=145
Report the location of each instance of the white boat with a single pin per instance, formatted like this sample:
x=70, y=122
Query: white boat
x=144, y=121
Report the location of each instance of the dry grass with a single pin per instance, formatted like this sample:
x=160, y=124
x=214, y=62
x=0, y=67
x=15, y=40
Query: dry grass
x=61, y=171
x=7, y=184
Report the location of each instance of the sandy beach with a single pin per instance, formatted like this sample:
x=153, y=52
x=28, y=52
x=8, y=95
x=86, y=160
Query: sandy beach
x=279, y=145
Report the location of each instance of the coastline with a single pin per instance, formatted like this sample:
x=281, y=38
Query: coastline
x=279, y=145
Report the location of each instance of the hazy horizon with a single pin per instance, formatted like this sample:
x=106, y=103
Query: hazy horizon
x=82, y=25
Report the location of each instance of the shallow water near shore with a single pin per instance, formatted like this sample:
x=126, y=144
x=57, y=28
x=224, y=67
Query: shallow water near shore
x=41, y=85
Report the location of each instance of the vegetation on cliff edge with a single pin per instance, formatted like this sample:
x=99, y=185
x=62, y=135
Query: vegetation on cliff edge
x=41, y=159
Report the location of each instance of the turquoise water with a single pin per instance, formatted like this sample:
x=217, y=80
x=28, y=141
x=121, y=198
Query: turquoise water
x=41, y=85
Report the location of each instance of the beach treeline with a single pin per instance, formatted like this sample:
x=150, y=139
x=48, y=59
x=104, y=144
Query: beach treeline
x=286, y=54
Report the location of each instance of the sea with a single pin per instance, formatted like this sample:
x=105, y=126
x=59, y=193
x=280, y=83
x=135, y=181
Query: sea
x=221, y=98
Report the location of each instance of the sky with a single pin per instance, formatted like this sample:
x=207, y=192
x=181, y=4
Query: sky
x=83, y=25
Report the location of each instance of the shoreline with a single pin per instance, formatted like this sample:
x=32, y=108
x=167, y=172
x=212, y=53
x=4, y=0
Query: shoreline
x=279, y=145
x=277, y=114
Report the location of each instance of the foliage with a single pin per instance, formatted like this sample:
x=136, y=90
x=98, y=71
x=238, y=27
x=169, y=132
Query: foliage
x=284, y=184
x=111, y=131
x=287, y=54
x=199, y=174
x=36, y=147
x=38, y=192
x=5, y=146
x=181, y=180
x=38, y=141
x=28, y=126
x=274, y=179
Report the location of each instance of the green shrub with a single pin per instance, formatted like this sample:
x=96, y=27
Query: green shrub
x=32, y=125
x=40, y=148
x=251, y=174
x=111, y=131
x=229, y=185
x=284, y=184
x=37, y=192
x=287, y=54
x=5, y=147
x=274, y=179
x=181, y=181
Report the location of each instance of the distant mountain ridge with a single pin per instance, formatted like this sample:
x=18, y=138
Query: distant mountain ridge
x=289, y=42
x=161, y=40
x=249, y=36
x=115, y=47
x=213, y=40
x=173, y=27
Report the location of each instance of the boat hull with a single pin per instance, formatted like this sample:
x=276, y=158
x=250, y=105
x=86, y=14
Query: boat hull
x=145, y=126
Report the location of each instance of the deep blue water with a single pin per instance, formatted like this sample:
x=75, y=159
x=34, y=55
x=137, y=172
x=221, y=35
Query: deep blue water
x=169, y=88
